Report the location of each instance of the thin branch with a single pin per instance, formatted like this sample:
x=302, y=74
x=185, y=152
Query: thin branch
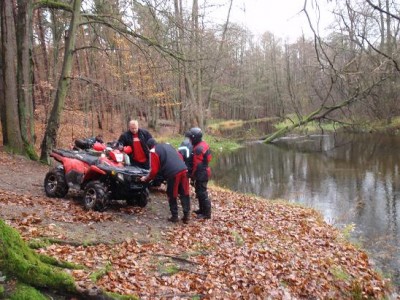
x=177, y=258
x=127, y=32
x=376, y=7
x=381, y=53
x=52, y=4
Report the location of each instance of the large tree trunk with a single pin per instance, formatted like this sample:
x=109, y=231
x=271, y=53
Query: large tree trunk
x=50, y=136
x=2, y=102
x=25, y=75
x=9, y=48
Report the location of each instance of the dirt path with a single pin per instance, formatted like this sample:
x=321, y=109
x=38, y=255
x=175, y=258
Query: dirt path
x=21, y=183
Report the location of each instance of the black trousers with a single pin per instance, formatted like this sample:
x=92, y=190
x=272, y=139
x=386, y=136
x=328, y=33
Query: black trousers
x=200, y=188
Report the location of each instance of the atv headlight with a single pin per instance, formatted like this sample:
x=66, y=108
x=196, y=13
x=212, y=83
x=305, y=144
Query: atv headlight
x=120, y=176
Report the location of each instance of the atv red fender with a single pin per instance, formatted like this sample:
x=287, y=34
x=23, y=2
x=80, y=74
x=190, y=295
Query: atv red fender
x=93, y=172
x=71, y=163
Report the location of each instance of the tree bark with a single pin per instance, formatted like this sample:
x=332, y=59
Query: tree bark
x=25, y=73
x=2, y=101
x=50, y=136
x=9, y=48
x=189, y=102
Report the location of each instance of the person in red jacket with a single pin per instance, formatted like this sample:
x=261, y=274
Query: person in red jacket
x=164, y=159
x=134, y=141
x=201, y=171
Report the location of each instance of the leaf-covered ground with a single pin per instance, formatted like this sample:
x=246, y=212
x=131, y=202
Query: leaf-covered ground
x=250, y=249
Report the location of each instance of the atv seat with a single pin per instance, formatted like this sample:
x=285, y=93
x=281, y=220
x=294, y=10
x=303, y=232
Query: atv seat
x=81, y=155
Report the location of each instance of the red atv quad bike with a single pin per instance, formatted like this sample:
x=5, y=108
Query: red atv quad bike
x=101, y=178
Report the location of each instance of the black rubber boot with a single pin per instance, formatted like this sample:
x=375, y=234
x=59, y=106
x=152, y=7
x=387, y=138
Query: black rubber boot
x=206, y=213
x=186, y=219
x=200, y=210
x=173, y=219
x=185, y=201
x=173, y=207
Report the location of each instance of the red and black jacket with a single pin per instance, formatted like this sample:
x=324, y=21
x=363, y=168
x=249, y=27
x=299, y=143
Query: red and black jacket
x=166, y=160
x=126, y=139
x=201, y=158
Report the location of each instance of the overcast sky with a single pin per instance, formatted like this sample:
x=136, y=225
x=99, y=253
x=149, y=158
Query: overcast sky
x=281, y=17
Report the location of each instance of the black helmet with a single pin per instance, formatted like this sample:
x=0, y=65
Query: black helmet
x=151, y=143
x=196, y=135
x=188, y=134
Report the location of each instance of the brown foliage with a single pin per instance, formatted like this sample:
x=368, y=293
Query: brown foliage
x=250, y=249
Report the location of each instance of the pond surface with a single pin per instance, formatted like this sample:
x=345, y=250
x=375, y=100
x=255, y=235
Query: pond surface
x=350, y=179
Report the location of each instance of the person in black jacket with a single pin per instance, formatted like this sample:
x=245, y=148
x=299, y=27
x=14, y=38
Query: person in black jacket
x=186, y=150
x=164, y=159
x=201, y=171
x=134, y=141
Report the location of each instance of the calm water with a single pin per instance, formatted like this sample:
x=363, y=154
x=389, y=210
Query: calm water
x=349, y=179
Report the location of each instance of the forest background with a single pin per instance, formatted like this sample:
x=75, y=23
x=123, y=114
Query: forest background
x=165, y=62
x=103, y=62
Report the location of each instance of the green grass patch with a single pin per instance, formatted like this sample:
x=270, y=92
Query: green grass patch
x=340, y=274
x=168, y=268
x=229, y=124
x=392, y=125
x=238, y=238
x=217, y=144
x=347, y=231
x=58, y=263
x=38, y=243
x=100, y=273
x=122, y=297
x=313, y=126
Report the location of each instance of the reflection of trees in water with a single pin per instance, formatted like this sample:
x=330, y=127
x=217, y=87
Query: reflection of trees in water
x=357, y=181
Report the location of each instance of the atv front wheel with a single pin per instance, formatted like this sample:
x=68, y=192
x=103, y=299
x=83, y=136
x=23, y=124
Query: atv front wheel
x=55, y=184
x=141, y=200
x=95, y=196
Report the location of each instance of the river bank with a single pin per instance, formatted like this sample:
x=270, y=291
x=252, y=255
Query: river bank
x=251, y=248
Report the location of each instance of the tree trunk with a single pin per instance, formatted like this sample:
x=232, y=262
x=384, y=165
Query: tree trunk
x=199, y=113
x=190, y=101
x=217, y=61
x=9, y=48
x=42, y=68
x=25, y=75
x=2, y=102
x=50, y=136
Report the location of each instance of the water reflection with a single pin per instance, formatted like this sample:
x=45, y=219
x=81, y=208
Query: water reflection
x=349, y=179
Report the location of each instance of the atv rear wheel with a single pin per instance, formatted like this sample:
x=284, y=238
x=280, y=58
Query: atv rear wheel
x=55, y=184
x=95, y=196
x=141, y=200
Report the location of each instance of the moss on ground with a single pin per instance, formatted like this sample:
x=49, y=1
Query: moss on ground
x=21, y=262
x=25, y=292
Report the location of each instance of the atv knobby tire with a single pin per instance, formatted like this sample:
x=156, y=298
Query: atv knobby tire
x=95, y=196
x=55, y=184
x=140, y=200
